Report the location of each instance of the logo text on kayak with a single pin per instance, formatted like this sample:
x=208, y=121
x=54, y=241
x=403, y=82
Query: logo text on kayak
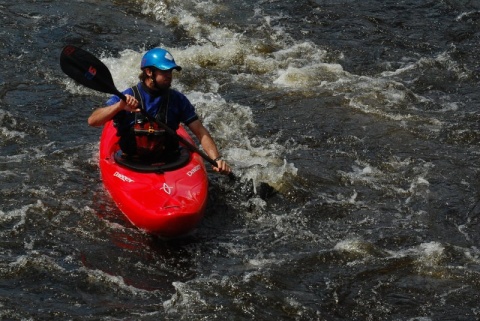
x=193, y=170
x=167, y=189
x=123, y=177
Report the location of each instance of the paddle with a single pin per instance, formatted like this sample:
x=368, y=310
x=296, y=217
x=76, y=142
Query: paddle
x=89, y=71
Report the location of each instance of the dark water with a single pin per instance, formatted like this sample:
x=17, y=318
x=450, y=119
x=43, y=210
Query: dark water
x=363, y=115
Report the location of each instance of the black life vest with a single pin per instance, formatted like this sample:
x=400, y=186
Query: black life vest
x=150, y=139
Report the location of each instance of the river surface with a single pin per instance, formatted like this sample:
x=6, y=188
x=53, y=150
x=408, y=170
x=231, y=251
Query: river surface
x=363, y=116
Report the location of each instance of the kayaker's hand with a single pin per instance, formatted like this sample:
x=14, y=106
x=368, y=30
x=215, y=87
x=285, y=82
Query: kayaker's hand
x=130, y=105
x=222, y=167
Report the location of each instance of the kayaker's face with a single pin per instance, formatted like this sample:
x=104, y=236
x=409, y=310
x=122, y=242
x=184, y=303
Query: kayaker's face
x=163, y=78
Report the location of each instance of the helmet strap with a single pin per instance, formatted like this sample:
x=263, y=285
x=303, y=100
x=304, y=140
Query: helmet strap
x=151, y=77
x=154, y=82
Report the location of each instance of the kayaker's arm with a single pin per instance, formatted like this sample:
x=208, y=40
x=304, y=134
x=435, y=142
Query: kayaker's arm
x=209, y=146
x=103, y=114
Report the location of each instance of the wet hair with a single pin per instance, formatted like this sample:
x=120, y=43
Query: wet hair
x=143, y=75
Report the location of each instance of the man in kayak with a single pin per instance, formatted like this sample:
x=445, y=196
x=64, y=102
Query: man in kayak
x=142, y=137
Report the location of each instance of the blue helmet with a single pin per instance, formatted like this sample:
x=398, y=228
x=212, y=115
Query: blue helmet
x=160, y=59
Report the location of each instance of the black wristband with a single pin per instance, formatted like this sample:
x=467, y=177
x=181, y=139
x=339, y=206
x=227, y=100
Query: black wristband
x=217, y=159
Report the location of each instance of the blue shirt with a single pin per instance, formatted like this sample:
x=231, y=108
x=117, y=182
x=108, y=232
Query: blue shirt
x=179, y=110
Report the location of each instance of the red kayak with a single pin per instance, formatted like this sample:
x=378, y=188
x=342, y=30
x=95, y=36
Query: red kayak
x=167, y=200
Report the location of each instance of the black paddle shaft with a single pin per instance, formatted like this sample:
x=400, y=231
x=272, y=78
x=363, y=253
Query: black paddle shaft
x=86, y=69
